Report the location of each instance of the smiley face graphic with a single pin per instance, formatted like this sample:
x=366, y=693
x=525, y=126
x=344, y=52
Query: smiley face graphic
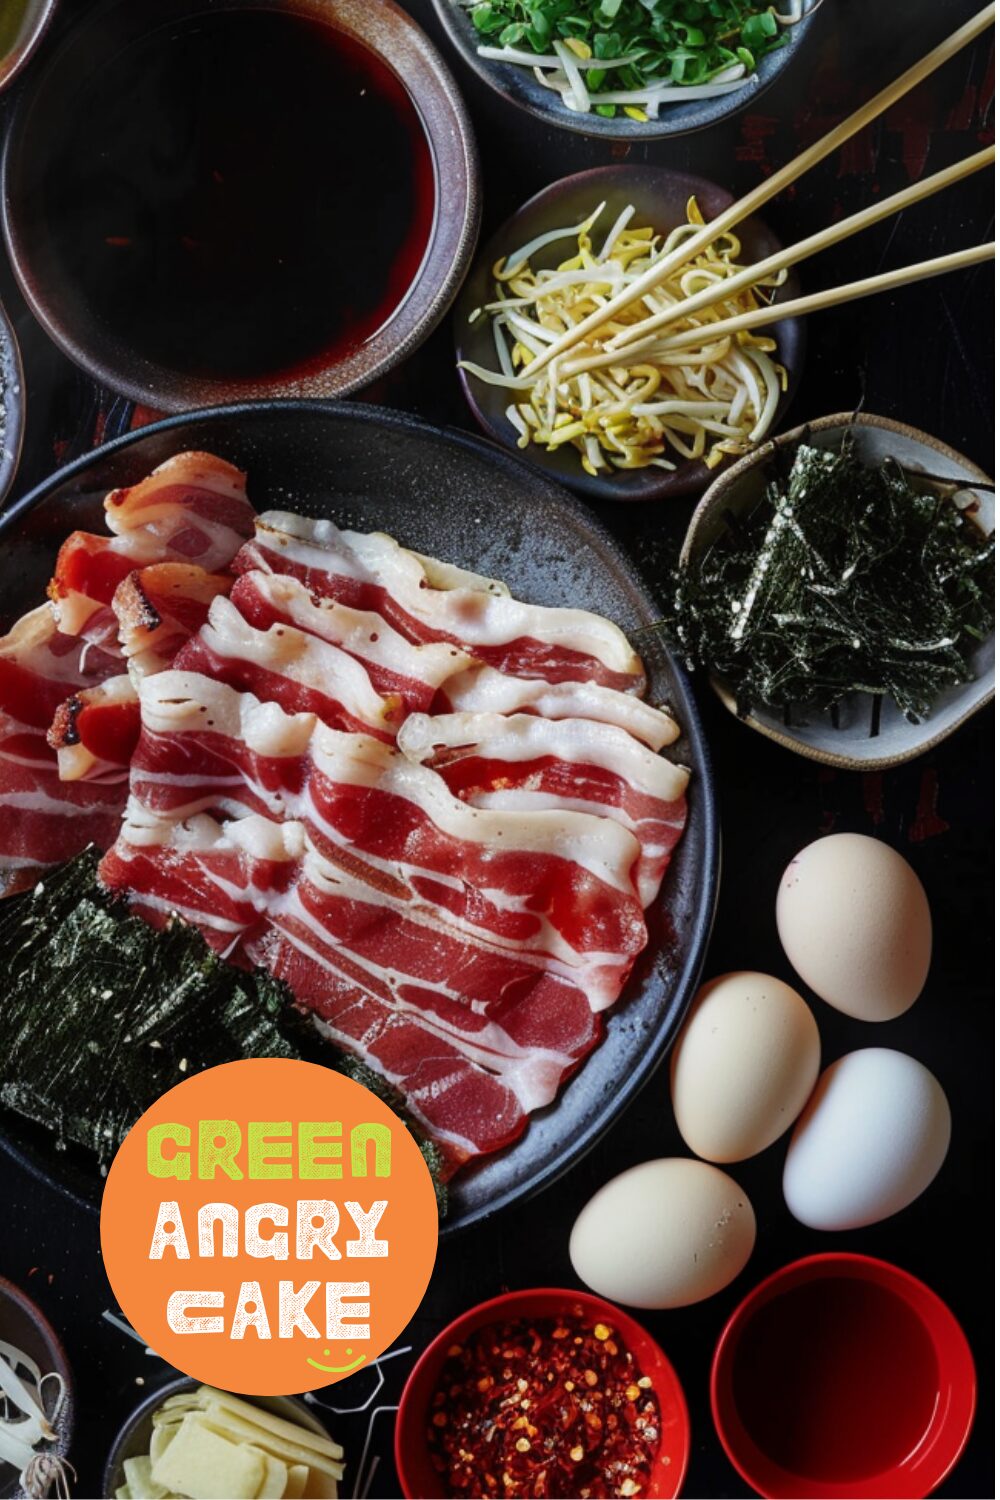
x=337, y=1369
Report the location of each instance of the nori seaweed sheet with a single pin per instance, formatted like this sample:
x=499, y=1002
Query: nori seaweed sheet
x=847, y=577
x=101, y=1014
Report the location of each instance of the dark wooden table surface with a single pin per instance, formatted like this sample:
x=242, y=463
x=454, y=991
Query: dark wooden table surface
x=924, y=356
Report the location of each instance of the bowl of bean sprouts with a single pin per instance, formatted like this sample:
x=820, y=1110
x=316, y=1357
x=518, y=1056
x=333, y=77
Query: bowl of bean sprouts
x=638, y=425
x=626, y=69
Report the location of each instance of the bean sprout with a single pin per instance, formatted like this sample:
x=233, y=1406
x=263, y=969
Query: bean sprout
x=657, y=407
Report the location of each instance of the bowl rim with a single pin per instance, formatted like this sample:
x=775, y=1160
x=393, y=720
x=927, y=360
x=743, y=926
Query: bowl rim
x=450, y=247
x=13, y=437
x=492, y=72
x=956, y=1422
x=154, y=1399
x=763, y=454
x=605, y=490
x=13, y=1293
x=23, y=54
x=510, y=1303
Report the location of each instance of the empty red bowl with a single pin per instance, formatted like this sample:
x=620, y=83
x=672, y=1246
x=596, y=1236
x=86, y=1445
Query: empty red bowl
x=417, y=1475
x=843, y=1378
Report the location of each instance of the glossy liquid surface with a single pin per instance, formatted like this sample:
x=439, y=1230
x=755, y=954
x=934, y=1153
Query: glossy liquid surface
x=242, y=193
x=835, y=1379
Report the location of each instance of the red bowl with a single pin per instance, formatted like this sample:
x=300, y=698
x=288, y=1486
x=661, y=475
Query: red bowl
x=417, y=1475
x=841, y=1377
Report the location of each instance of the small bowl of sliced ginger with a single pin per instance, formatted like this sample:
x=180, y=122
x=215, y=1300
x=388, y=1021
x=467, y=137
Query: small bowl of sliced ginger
x=188, y=1439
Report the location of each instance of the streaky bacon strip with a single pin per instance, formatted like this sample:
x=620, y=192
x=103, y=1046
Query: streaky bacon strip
x=474, y=1041
x=482, y=689
x=159, y=608
x=44, y=821
x=395, y=666
x=95, y=732
x=193, y=508
x=285, y=665
x=470, y=1074
x=372, y=572
x=88, y=571
x=221, y=879
x=205, y=747
x=545, y=882
x=524, y=762
x=557, y=885
x=155, y=611
x=138, y=594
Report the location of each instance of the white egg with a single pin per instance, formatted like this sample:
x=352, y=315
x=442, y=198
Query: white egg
x=871, y=1139
x=854, y=922
x=744, y=1065
x=663, y=1234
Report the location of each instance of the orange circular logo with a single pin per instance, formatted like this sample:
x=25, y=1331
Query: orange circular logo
x=269, y=1226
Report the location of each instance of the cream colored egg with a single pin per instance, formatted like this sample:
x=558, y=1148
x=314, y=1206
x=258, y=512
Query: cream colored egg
x=854, y=922
x=872, y=1138
x=744, y=1065
x=664, y=1234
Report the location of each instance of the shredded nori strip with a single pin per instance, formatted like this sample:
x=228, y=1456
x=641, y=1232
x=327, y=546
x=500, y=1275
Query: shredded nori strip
x=101, y=1014
x=847, y=577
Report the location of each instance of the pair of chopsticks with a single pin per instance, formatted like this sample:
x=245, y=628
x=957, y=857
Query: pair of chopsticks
x=640, y=336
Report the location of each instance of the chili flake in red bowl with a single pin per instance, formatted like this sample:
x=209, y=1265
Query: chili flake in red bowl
x=555, y=1394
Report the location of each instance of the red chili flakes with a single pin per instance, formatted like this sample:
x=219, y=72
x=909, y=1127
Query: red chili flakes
x=551, y=1408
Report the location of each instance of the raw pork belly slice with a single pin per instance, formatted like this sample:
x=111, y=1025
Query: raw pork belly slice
x=556, y=886
x=155, y=610
x=95, y=731
x=65, y=660
x=483, y=689
x=192, y=509
x=159, y=608
x=544, y=883
x=375, y=573
x=221, y=879
x=204, y=747
x=44, y=820
x=285, y=665
x=523, y=762
x=395, y=666
x=474, y=1039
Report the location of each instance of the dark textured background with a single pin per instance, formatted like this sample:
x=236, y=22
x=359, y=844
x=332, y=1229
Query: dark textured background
x=923, y=356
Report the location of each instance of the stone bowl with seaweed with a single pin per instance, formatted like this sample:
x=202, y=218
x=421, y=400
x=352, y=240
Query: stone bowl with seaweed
x=838, y=586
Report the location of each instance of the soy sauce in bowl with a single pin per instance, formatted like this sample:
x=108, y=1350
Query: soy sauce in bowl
x=244, y=192
x=211, y=200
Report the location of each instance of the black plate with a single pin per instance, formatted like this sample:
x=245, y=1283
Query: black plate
x=466, y=501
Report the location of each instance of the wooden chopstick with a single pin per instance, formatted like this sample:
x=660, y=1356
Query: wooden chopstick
x=833, y=297
x=770, y=187
x=639, y=336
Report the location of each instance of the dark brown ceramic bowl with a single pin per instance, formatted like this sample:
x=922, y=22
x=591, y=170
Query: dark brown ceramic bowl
x=24, y=1326
x=660, y=197
x=44, y=114
x=22, y=27
x=11, y=402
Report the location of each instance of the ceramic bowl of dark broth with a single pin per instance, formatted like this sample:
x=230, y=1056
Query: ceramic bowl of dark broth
x=210, y=200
